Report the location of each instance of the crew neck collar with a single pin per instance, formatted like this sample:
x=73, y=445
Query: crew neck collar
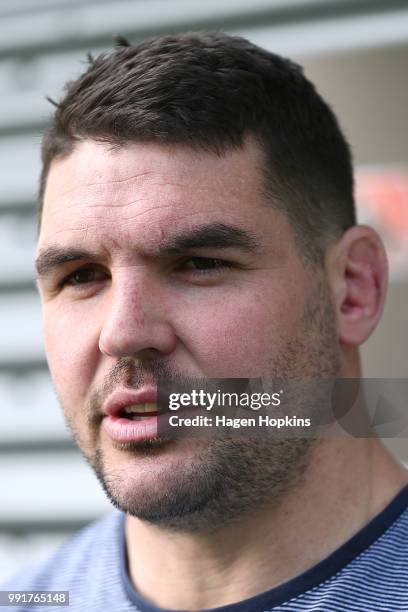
x=309, y=579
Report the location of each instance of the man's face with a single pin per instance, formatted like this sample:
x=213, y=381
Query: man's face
x=177, y=266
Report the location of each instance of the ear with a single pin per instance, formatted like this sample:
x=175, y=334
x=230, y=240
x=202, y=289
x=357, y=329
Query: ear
x=358, y=274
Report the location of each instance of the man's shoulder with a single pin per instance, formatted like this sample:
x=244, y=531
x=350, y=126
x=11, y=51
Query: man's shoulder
x=374, y=572
x=73, y=565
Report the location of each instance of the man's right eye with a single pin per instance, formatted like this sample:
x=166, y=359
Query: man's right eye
x=83, y=276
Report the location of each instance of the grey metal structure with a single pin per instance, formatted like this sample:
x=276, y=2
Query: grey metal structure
x=46, y=488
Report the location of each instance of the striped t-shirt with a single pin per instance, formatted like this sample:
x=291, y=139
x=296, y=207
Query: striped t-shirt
x=367, y=574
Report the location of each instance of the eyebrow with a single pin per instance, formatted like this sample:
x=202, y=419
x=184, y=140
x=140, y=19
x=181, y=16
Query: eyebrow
x=214, y=235
x=54, y=257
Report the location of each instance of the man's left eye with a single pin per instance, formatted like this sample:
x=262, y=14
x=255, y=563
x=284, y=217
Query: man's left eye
x=205, y=264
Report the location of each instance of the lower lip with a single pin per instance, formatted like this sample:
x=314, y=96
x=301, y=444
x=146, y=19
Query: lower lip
x=123, y=430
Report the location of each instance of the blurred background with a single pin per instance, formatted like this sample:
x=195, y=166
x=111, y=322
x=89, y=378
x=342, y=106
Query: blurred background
x=355, y=51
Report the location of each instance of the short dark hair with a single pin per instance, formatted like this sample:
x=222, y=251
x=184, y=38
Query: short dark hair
x=211, y=91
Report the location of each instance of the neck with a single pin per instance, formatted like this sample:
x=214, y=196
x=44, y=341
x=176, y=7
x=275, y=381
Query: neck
x=347, y=479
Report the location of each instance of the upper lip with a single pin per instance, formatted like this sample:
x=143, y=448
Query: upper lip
x=121, y=399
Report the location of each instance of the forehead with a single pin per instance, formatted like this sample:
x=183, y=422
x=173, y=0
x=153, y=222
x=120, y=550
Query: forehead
x=149, y=190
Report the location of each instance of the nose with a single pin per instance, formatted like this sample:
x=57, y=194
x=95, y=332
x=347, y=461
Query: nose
x=135, y=323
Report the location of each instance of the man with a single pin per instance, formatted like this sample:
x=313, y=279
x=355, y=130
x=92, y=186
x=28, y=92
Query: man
x=197, y=220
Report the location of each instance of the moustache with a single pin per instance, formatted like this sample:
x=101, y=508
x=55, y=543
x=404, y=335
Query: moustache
x=129, y=374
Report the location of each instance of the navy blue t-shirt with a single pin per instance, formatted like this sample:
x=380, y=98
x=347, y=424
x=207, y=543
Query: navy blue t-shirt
x=368, y=573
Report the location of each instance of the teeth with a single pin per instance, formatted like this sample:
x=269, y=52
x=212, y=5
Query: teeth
x=141, y=408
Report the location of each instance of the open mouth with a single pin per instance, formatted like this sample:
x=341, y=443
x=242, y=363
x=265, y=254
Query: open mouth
x=139, y=412
x=125, y=421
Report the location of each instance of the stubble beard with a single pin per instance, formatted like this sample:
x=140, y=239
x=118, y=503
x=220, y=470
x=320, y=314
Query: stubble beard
x=228, y=477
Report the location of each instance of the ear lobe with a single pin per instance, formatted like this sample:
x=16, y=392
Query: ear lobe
x=360, y=283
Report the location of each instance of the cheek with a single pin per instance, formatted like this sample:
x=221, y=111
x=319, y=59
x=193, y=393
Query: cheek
x=70, y=348
x=236, y=336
